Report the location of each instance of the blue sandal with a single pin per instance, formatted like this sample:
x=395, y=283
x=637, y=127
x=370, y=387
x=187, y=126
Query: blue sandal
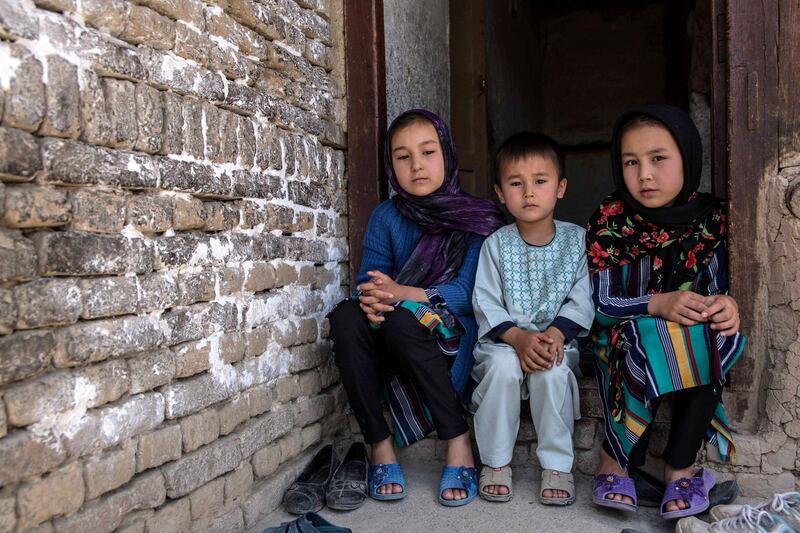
x=459, y=477
x=384, y=474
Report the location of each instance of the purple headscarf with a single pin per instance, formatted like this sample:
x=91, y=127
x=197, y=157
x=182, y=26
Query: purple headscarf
x=445, y=216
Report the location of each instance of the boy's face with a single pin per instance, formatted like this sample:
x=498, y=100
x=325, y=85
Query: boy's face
x=652, y=165
x=417, y=158
x=529, y=188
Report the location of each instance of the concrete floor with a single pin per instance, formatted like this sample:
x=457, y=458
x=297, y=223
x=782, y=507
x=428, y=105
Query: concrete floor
x=420, y=512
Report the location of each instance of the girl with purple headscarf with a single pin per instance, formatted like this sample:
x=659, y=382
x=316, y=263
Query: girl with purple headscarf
x=407, y=335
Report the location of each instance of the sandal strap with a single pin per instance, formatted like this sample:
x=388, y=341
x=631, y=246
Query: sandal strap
x=501, y=477
x=459, y=477
x=555, y=480
x=605, y=484
x=384, y=474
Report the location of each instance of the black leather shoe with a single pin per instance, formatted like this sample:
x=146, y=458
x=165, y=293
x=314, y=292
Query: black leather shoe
x=307, y=493
x=348, y=487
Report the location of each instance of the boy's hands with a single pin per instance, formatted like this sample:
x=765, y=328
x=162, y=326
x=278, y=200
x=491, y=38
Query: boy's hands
x=723, y=312
x=377, y=296
x=689, y=308
x=533, y=349
x=558, y=343
x=684, y=307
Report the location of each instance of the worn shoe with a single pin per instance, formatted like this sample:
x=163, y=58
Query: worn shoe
x=307, y=493
x=749, y=520
x=308, y=523
x=348, y=487
x=785, y=505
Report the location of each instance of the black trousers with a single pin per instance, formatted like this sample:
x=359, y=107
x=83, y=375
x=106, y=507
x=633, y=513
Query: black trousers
x=692, y=411
x=403, y=344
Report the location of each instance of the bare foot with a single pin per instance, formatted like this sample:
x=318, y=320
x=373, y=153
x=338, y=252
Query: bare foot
x=609, y=465
x=383, y=453
x=673, y=474
x=459, y=453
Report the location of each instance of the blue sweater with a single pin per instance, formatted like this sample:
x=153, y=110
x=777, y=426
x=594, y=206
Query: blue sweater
x=388, y=242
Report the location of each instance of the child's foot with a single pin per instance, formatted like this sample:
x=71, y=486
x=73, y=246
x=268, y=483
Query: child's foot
x=501, y=490
x=383, y=453
x=459, y=453
x=609, y=465
x=673, y=474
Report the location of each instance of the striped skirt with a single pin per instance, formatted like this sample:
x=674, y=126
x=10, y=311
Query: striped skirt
x=644, y=358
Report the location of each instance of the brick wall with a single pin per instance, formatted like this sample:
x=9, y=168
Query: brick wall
x=172, y=234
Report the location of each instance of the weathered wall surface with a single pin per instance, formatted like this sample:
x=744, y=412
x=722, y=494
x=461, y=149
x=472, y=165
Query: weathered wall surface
x=172, y=233
x=417, y=42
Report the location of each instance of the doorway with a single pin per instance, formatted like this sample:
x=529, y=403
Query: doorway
x=567, y=69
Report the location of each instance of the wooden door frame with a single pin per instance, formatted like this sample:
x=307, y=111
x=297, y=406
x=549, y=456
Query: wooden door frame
x=365, y=67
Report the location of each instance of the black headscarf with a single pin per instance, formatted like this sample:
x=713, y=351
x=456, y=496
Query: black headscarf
x=681, y=238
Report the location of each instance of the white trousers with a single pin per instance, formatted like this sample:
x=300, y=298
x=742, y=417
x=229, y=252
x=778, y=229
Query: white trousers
x=554, y=401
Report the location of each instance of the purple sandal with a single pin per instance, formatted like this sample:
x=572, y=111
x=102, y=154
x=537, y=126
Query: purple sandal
x=692, y=490
x=605, y=484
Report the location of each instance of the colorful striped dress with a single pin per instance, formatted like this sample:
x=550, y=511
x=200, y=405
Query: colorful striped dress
x=662, y=356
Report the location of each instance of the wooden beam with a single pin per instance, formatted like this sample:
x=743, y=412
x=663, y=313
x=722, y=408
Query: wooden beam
x=366, y=118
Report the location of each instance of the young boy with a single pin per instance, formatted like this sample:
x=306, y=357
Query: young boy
x=532, y=298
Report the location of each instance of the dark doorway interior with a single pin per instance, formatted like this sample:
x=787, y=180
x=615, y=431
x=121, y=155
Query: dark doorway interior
x=565, y=68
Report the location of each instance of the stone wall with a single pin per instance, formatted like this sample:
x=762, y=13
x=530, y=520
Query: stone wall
x=172, y=234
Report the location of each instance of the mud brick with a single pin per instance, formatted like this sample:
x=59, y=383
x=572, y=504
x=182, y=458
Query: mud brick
x=60, y=493
x=181, y=76
x=266, y=460
x=8, y=311
x=158, y=447
x=17, y=23
x=145, y=26
x=157, y=291
x=172, y=137
x=25, y=101
x=220, y=216
x=317, y=54
x=101, y=339
x=190, y=11
x=231, y=347
x=47, y=302
x=72, y=162
x=110, y=471
x=191, y=358
x=193, y=177
x=191, y=395
x=196, y=286
x=151, y=213
x=86, y=254
x=106, y=15
x=233, y=413
x=193, y=128
x=228, y=143
x=212, y=131
x=150, y=118
x=20, y=159
x=190, y=43
x=185, y=324
x=144, y=492
x=103, y=297
x=208, y=500
x=261, y=276
x=230, y=280
x=110, y=380
x=188, y=214
x=95, y=124
x=246, y=142
x=8, y=512
x=97, y=211
x=28, y=206
x=151, y=370
x=175, y=517
x=256, y=185
x=310, y=196
x=113, y=425
x=24, y=354
x=32, y=401
x=120, y=95
x=62, y=118
x=201, y=466
x=256, y=341
x=22, y=454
